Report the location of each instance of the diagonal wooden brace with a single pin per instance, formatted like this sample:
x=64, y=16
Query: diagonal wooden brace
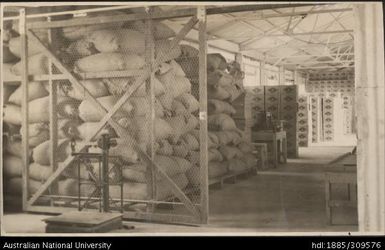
x=108, y=115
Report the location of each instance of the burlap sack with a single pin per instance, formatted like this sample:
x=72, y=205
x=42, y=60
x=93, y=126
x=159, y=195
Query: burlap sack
x=237, y=165
x=245, y=147
x=119, y=40
x=221, y=122
x=37, y=133
x=67, y=128
x=176, y=85
x=188, y=51
x=125, y=151
x=33, y=47
x=39, y=172
x=12, y=114
x=193, y=176
x=224, y=137
x=81, y=48
x=165, y=148
x=86, y=130
x=37, y=65
x=189, y=102
x=7, y=74
x=90, y=113
x=111, y=61
x=217, y=168
x=163, y=47
x=229, y=152
x=35, y=90
x=14, y=186
x=214, y=155
x=216, y=61
x=180, y=149
x=8, y=90
x=217, y=92
x=166, y=100
x=119, y=86
x=96, y=88
x=218, y=107
x=14, y=147
x=77, y=32
x=41, y=153
x=12, y=166
x=8, y=57
x=191, y=142
x=141, y=107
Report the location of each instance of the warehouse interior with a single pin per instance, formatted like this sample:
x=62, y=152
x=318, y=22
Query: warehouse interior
x=221, y=118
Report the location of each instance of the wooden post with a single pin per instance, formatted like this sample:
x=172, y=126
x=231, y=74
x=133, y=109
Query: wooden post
x=369, y=89
x=281, y=75
x=53, y=129
x=262, y=73
x=24, y=106
x=150, y=121
x=204, y=181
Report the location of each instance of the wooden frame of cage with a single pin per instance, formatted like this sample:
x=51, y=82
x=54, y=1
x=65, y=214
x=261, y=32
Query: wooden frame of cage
x=199, y=213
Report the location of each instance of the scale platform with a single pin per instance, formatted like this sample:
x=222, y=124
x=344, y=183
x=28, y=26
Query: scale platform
x=84, y=222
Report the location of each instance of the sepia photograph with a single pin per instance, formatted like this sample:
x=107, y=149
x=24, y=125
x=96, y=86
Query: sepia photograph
x=191, y=118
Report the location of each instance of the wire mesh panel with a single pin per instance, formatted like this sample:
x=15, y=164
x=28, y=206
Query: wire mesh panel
x=129, y=80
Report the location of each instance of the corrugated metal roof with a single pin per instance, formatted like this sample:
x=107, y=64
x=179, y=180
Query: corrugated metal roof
x=277, y=33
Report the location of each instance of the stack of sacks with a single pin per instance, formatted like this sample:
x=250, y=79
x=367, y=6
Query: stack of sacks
x=228, y=149
x=115, y=49
x=216, y=165
x=38, y=133
x=181, y=110
x=219, y=121
x=224, y=86
x=99, y=48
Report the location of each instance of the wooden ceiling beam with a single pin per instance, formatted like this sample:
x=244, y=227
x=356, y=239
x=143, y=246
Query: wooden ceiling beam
x=312, y=33
x=315, y=55
x=319, y=62
x=323, y=67
x=299, y=13
x=187, y=12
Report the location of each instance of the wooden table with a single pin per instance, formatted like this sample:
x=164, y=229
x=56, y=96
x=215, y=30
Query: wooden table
x=343, y=171
x=278, y=140
x=83, y=222
x=261, y=152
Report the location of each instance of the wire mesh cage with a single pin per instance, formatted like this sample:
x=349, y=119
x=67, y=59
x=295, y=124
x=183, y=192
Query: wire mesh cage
x=125, y=79
x=168, y=104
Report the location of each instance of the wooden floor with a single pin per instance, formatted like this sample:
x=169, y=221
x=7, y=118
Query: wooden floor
x=287, y=199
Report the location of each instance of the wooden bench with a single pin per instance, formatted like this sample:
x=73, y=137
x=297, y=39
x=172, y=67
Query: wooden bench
x=341, y=171
x=278, y=141
x=261, y=152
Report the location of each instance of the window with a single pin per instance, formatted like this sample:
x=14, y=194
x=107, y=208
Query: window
x=252, y=72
